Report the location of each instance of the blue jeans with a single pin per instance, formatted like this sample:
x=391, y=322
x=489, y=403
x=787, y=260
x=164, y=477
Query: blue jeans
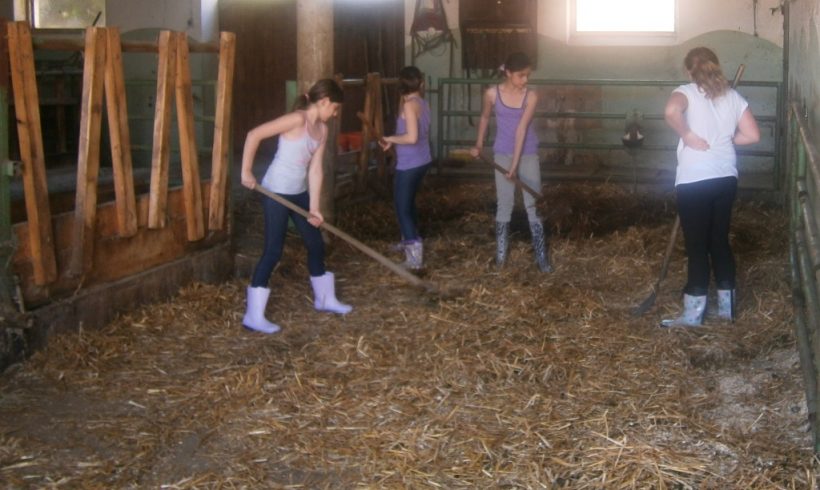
x=276, y=226
x=705, y=210
x=405, y=186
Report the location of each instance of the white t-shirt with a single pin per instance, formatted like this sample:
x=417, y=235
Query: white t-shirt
x=716, y=122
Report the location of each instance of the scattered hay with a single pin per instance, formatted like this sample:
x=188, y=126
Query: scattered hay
x=526, y=380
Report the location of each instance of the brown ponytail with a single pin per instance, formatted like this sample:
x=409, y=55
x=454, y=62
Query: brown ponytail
x=327, y=87
x=704, y=68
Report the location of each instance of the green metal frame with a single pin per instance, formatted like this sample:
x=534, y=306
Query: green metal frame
x=445, y=86
x=803, y=174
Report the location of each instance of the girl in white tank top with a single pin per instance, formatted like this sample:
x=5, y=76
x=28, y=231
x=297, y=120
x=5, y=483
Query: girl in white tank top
x=296, y=175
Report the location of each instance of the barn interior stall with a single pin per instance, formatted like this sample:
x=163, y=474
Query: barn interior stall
x=85, y=262
x=465, y=374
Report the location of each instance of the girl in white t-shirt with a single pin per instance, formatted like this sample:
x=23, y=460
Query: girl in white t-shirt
x=711, y=118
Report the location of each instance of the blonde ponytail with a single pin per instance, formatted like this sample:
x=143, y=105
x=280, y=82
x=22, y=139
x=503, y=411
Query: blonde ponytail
x=704, y=68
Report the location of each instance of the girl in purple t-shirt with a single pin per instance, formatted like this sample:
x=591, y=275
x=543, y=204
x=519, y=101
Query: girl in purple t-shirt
x=412, y=142
x=516, y=149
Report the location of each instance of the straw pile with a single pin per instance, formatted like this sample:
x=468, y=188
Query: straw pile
x=525, y=381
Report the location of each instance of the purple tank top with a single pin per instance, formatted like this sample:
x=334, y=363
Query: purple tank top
x=507, y=119
x=418, y=154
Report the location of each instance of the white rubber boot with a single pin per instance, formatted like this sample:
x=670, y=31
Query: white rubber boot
x=324, y=293
x=414, y=252
x=692, y=316
x=254, y=318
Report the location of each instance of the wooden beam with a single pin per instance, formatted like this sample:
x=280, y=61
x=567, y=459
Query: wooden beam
x=191, y=186
x=166, y=72
x=88, y=158
x=117, y=108
x=50, y=43
x=314, y=55
x=222, y=132
x=377, y=118
x=364, y=156
x=30, y=137
x=115, y=257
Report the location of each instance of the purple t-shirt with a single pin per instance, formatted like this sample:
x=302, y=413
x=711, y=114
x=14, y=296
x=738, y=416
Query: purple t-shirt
x=418, y=154
x=507, y=119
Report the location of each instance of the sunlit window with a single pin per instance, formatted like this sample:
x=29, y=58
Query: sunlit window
x=68, y=13
x=625, y=16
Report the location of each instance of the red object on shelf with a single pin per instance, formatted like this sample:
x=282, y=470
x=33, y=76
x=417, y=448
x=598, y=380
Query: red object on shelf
x=343, y=142
x=354, y=141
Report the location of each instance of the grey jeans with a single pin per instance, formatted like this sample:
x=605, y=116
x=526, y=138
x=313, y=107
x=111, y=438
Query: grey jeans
x=529, y=172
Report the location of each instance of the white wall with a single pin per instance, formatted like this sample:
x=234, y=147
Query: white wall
x=695, y=17
x=197, y=18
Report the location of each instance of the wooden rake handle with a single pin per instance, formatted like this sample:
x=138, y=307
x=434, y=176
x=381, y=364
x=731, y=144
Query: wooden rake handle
x=518, y=182
x=399, y=270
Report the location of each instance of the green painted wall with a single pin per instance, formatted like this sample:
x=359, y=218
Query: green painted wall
x=558, y=60
x=804, y=58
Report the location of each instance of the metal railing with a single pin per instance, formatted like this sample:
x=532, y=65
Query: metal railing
x=804, y=184
x=446, y=139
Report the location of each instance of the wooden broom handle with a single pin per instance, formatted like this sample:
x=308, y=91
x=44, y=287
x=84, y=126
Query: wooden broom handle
x=534, y=193
x=399, y=270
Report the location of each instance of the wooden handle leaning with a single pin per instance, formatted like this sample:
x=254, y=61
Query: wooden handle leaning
x=399, y=270
x=534, y=193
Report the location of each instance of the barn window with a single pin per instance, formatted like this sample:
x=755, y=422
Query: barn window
x=624, y=16
x=67, y=14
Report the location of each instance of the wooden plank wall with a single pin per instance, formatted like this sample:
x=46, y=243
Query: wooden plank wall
x=265, y=60
x=97, y=243
x=30, y=137
x=368, y=37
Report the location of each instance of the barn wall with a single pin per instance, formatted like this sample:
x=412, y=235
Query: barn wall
x=194, y=17
x=197, y=18
x=804, y=53
x=731, y=28
x=152, y=264
x=804, y=71
x=696, y=17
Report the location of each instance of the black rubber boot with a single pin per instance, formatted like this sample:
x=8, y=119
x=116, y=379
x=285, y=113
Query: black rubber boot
x=502, y=240
x=539, y=246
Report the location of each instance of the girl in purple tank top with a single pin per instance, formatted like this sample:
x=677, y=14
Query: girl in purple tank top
x=412, y=142
x=515, y=148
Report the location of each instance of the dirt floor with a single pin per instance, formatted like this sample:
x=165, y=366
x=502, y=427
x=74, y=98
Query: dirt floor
x=523, y=380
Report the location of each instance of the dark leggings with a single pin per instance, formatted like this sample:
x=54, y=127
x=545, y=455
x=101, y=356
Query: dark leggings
x=405, y=186
x=705, y=210
x=276, y=226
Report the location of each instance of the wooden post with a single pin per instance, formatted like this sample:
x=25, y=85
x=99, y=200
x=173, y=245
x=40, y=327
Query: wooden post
x=314, y=55
x=120, y=137
x=88, y=158
x=166, y=70
x=30, y=136
x=364, y=155
x=377, y=118
x=191, y=186
x=7, y=307
x=222, y=132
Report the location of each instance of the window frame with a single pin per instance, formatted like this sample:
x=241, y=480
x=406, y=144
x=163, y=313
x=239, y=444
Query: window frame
x=641, y=38
x=30, y=10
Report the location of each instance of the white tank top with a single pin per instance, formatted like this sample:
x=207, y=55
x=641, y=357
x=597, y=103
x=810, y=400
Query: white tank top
x=287, y=173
